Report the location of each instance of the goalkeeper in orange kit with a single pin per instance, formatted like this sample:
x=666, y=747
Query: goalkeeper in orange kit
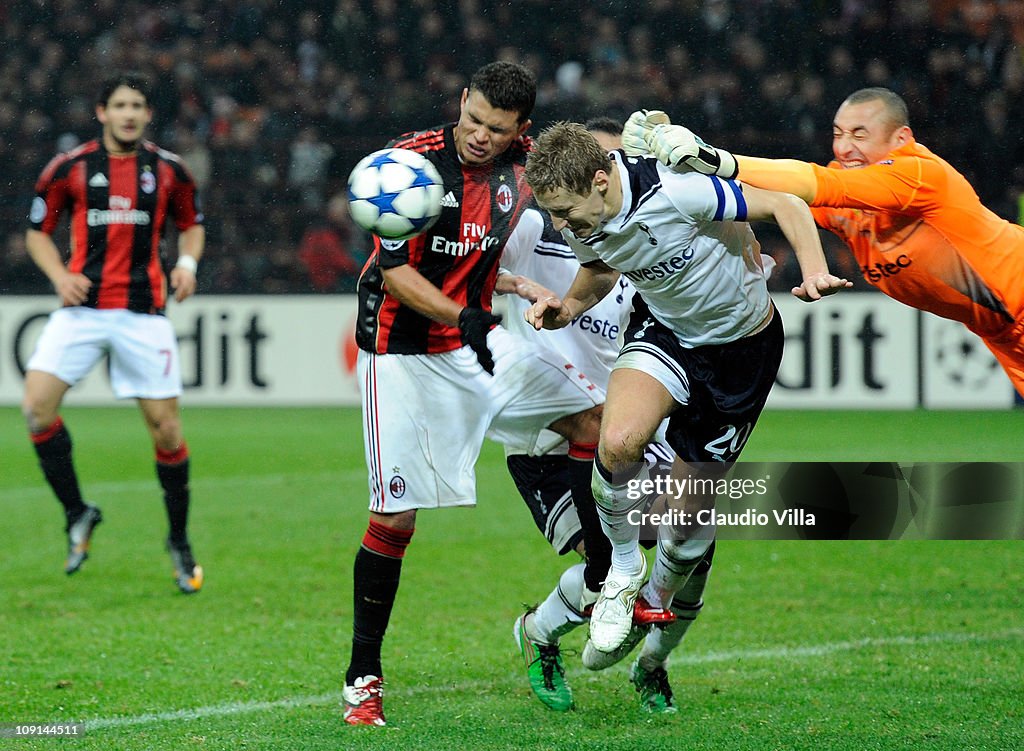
x=917, y=228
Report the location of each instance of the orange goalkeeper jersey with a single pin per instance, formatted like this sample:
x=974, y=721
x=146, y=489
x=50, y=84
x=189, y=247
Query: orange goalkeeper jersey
x=922, y=236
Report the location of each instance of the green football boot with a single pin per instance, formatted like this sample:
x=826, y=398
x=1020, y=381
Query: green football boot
x=544, y=668
x=652, y=685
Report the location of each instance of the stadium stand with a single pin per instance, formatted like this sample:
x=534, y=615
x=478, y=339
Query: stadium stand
x=270, y=102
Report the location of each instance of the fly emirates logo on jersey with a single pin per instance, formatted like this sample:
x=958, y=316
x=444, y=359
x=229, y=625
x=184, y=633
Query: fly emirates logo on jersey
x=473, y=237
x=120, y=212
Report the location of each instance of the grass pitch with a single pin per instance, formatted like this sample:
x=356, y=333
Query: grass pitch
x=802, y=645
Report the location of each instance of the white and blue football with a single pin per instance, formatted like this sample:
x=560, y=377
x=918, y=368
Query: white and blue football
x=395, y=193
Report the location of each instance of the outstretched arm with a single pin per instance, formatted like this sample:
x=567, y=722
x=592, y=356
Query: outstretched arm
x=900, y=183
x=521, y=286
x=592, y=283
x=675, y=146
x=783, y=175
x=797, y=224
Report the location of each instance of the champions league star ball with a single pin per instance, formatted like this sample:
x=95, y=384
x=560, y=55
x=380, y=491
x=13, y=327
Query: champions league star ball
x=962, y=358
x=395, y=193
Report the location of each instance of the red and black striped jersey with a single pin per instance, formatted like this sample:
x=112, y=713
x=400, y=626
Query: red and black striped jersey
x=459, y=254
x=118, y=207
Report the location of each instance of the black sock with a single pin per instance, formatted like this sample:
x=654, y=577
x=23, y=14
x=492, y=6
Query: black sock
x=375, y=584
x=599, y=549
x=174, y=480
x=53, y=447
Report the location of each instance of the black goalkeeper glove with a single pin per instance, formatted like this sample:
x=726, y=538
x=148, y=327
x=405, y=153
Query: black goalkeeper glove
x=474, y=324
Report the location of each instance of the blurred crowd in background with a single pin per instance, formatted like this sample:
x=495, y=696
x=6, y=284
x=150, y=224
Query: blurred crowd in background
x=271, y=102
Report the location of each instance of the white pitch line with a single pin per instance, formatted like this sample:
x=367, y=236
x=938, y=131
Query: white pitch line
x=819, y=650
x=773, y=653
x=219, y=710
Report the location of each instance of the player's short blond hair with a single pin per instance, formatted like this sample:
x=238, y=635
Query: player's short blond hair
x=565, y=155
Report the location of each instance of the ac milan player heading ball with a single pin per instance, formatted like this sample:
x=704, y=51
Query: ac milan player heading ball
x=436, y=373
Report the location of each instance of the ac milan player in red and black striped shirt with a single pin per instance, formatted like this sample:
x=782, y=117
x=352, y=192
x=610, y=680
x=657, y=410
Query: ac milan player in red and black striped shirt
x=437, y=374
x=119, y=191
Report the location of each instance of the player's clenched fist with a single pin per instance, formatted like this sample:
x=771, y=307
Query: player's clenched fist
x=637, y=130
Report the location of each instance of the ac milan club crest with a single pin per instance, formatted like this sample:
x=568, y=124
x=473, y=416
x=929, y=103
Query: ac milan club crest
x=504, y=198
x=397, y=486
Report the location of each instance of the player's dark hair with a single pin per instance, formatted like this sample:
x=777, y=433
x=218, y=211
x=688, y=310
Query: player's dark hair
x=608, y=125
x=567, y=156
x=131, y=79
x=895, y=108
x=506, y=86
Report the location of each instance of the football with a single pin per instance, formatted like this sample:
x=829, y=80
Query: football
x=395, y=193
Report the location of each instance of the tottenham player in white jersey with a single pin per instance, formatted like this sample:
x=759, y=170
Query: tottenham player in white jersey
x=535, y=260
x=702, y=349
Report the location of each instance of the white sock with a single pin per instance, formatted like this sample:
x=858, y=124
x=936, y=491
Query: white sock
x=674, y=562
x=559, y=613
x=614, y=504
x=686, y=605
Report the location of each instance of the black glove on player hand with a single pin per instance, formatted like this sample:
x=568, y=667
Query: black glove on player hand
x=474, y=324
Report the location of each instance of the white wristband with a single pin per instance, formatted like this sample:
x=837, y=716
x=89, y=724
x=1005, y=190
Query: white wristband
x=187, y=262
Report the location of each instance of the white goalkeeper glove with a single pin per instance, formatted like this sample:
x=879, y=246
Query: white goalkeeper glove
x=677, y=146
x=638, y=129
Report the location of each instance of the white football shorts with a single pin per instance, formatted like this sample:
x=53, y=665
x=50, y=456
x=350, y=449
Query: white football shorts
x=143, y=350
x=425, y=417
